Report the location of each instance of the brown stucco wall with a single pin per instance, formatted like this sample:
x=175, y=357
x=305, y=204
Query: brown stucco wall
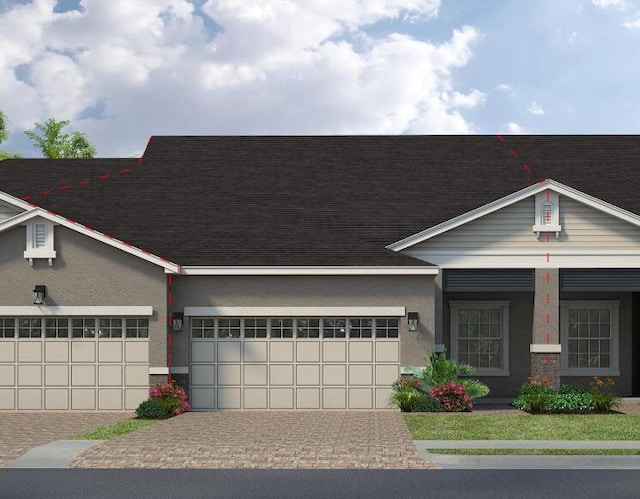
x=86, y=272
x=413, y=292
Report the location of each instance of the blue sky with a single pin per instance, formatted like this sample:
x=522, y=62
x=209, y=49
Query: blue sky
x=126, y=69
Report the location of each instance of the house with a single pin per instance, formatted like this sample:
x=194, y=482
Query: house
x=308, y=272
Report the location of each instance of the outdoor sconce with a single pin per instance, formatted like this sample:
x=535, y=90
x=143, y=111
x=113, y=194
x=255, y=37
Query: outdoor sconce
x=39, y=292
x=413, y=321
x=177, y=320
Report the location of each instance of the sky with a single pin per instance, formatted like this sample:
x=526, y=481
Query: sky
x=124, y=70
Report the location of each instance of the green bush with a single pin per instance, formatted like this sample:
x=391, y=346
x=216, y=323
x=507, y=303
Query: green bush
x=538, y=398
x=408, y=397
x=153, y=409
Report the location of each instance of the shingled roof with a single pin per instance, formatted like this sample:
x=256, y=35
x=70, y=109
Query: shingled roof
x=312, y=200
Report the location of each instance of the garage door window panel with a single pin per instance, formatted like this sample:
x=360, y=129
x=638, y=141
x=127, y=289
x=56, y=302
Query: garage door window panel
x=360, y=328
x=334, y=328
x=30, y=328
x=281, y=328
x=110, y=328
x=255, y=328
x=57, y=328
x=387, y=328
x=7, y=328
x=228, y=328
x=83, y=328
x=308, y=328
x=137, y=328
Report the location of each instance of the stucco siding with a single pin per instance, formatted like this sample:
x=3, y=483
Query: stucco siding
x=85, y=273
x=413, y=292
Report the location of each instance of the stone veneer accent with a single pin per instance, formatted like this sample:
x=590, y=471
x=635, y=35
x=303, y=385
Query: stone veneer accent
x=546, y=326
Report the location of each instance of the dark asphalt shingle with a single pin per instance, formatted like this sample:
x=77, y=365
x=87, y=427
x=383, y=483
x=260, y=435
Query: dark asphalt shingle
x=312, y=200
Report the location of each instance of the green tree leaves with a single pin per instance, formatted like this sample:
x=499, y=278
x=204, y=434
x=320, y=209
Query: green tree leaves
x=4, y=134
x=54, y=144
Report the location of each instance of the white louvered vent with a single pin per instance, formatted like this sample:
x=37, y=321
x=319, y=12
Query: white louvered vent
x=39, y=240
x=39, y=235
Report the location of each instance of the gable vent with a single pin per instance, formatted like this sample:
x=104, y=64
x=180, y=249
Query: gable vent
x=489, y=280
x=40, y=235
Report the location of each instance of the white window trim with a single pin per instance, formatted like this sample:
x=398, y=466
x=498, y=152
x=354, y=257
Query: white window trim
x=47, y=251
x=454, y=305
x=70, y=311
x=294, y=311
x=614, y=307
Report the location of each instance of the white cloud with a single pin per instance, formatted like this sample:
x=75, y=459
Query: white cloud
x=513, y=127
x=572, y=37
x=633, y=24
x=508, y=89
x=274, y=67
x=534, y=108
x=620, y=4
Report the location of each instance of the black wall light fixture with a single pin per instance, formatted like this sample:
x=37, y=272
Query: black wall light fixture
x=176, y=322
x=413, y=321
x=39, y=294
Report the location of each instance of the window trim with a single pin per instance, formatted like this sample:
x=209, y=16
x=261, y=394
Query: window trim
x=454, y=305
x=614, y=314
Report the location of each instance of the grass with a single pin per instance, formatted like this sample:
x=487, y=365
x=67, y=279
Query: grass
x=517, y=427
x=538, y=452
x=114, y=430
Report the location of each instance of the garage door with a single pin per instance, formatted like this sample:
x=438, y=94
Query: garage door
x=74, y=363
x=293, y=363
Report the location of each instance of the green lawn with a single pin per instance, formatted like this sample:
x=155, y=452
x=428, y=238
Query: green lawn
x=114, y=430
x=516, y=427
x=538, y=452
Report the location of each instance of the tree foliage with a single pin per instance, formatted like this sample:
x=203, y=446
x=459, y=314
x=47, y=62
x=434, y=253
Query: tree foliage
x=4, y=134
x=54, y=144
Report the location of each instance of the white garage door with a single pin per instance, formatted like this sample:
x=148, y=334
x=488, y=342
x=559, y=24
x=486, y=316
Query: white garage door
x=75, y=363
x=293, y=363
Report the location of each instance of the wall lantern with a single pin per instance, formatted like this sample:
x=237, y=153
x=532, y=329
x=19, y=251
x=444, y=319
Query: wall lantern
x=39, y=293
x=177, y=320
x=413, y=321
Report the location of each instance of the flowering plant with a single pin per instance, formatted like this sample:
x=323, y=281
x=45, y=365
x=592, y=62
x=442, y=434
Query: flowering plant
x=165, y=400
x=453, y=396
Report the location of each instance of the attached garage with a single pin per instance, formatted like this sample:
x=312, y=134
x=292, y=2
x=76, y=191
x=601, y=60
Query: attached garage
x=81, y=360
x=257, y=361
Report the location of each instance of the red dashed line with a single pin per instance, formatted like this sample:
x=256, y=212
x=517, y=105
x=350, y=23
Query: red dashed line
x=25, y=198
x=500, y=138
x=513, y=153
x=526, y=168
x=125, y=170
x=103, y=177
x=44, y=193
x=64, y=187
x=85, y=181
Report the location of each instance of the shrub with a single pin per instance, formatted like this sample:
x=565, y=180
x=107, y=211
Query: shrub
x=453, y=397
x=604, y=400
x=152, y=409
x=408, y=397
x=438, y=371
x=536, y=398
x=165, y=400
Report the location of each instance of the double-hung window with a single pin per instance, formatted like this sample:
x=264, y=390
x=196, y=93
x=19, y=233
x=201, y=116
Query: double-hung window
x=589, y=338
x=480, y=335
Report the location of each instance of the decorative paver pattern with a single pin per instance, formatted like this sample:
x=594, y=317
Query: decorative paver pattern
x=300, y=439
x=22, y=431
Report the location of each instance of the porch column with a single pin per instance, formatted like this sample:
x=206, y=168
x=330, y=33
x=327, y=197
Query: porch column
x=545, y=344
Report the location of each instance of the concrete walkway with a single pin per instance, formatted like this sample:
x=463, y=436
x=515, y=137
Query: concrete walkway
x=533, y=461
x=57, y=454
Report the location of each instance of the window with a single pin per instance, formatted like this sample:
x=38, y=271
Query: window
x=83, y=328
x=479, y=335
x=589, y=338
x=7, y=328
x=137, y=328
x=29, y=328
x=202, y=328
x=282, y=328
x=255, y=328
x=308, y=328
x=334, y=328
x=360, y=328
x=228, y=328
x=56, y=328
x=109, y=328
x=386, y=328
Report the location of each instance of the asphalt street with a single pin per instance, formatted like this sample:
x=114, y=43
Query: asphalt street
x=441, y=484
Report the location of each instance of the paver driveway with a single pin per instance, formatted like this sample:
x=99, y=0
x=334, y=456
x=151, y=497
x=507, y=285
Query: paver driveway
x=22, y=431
x=263, y=440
